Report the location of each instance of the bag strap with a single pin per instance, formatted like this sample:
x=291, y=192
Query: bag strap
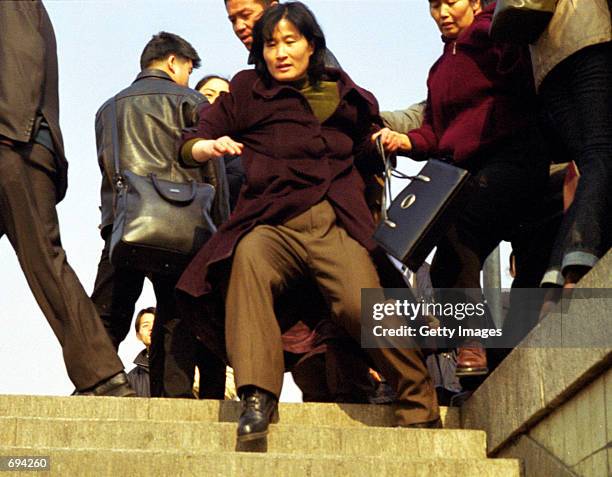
x=117, y=177
x=390, y=172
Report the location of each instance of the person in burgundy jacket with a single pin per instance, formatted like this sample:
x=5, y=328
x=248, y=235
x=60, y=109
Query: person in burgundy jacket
x=303, y=131
x=480, y=115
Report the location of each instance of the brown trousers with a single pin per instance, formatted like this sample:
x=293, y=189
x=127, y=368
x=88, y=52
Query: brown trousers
x=267, y=261
x=29, y=220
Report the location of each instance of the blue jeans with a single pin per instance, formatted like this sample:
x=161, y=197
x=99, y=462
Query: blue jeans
x=576, y=101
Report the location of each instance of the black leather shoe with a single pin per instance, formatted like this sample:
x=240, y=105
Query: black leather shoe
x=116, y=385
x=260, y=408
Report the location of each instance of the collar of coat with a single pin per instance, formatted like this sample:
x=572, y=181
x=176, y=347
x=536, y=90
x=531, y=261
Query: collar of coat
x=346, y=86
x=153, y=73
x=142, y=359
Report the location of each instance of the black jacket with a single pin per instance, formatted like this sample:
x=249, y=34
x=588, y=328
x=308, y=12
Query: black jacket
x=151, y=114
x=28, y=78
x=139, y=376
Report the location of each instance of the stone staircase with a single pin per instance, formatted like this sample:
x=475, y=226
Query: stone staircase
x=549, y=403
x=157, y=437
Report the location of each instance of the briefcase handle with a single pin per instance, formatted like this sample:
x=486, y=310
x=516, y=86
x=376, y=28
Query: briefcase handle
x=390, y=172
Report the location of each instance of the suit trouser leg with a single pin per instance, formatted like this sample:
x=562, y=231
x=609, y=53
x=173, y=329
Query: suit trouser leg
x=29, y=219
x=266, y=262
x=116, y=291
x=212, y=373
x=342, y=268
x=172, y=356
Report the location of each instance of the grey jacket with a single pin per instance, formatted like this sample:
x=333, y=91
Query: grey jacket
x=404, y=120
x=151, y=114
x=575, y=25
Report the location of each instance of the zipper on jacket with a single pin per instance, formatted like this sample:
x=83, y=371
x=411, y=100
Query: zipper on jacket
x=454, y=48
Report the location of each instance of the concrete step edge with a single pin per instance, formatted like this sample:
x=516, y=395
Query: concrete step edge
x=49, y=451
x=139, y=435
x=227, y=424
x=136, y=464
x=348, y=415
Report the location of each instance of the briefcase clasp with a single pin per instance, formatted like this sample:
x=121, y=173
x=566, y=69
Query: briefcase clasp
x=408, y=201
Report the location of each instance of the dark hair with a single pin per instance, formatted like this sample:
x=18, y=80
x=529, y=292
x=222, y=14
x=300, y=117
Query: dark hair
x=164, y=44
x=305, y=22
x=207, y=78
x=265, y=3
x=140, y=314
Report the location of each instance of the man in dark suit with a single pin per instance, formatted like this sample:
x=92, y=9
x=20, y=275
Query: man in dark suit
x=32, y=180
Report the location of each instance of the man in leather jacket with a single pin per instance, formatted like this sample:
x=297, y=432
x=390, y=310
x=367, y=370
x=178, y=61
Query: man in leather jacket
x=151, y=113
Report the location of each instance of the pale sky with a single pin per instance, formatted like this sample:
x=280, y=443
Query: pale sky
x=387, y=46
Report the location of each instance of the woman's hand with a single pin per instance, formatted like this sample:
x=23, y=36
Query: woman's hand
x=393, y=141
x=209, y=148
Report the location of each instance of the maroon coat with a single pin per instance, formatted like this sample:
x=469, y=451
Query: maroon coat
x=480, y=94
x=291, y=161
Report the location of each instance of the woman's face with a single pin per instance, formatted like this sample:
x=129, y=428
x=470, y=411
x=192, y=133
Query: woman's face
x=287, y=54
x=213, y=88
x=453, y=16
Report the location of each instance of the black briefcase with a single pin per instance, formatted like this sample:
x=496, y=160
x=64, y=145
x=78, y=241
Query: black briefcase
x=422, y=213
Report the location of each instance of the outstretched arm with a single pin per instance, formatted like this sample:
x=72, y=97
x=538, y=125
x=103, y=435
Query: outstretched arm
x=204, y=149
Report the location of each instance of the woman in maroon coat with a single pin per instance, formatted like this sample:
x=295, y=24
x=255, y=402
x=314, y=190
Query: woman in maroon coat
x=480, y=115
x=302, y=132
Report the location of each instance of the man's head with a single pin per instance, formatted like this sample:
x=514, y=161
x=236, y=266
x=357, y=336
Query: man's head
x=144, y=325
x=244, y=14
x=172, y=54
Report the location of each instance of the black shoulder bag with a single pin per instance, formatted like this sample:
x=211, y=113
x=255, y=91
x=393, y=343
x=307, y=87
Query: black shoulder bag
x=159, y=225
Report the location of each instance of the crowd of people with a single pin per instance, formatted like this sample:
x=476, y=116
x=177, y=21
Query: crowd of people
x=289, y=146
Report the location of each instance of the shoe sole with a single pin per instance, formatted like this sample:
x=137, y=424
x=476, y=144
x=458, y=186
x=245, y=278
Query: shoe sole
x=254, y=436
x=471, y=372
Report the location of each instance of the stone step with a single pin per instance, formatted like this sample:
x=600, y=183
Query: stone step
x=221, y=437
x=338, y=415
x=113, y=463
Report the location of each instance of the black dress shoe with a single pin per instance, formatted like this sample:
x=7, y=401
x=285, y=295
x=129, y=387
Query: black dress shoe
x=259, y=409
x=116, y=385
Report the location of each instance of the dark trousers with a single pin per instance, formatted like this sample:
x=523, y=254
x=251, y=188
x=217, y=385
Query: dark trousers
x=509, y=185
x=29, y=220
x=267, y=261
x=532, y=246
x=576, y=99
x=174, y=350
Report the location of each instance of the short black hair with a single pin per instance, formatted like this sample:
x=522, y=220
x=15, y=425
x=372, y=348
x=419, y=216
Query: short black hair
x=140, y=314
x=305, y=22
x=207, y=78
x=165, y=44
x=265, y=3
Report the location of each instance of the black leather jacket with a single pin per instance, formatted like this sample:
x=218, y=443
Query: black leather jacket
x=151, y=114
